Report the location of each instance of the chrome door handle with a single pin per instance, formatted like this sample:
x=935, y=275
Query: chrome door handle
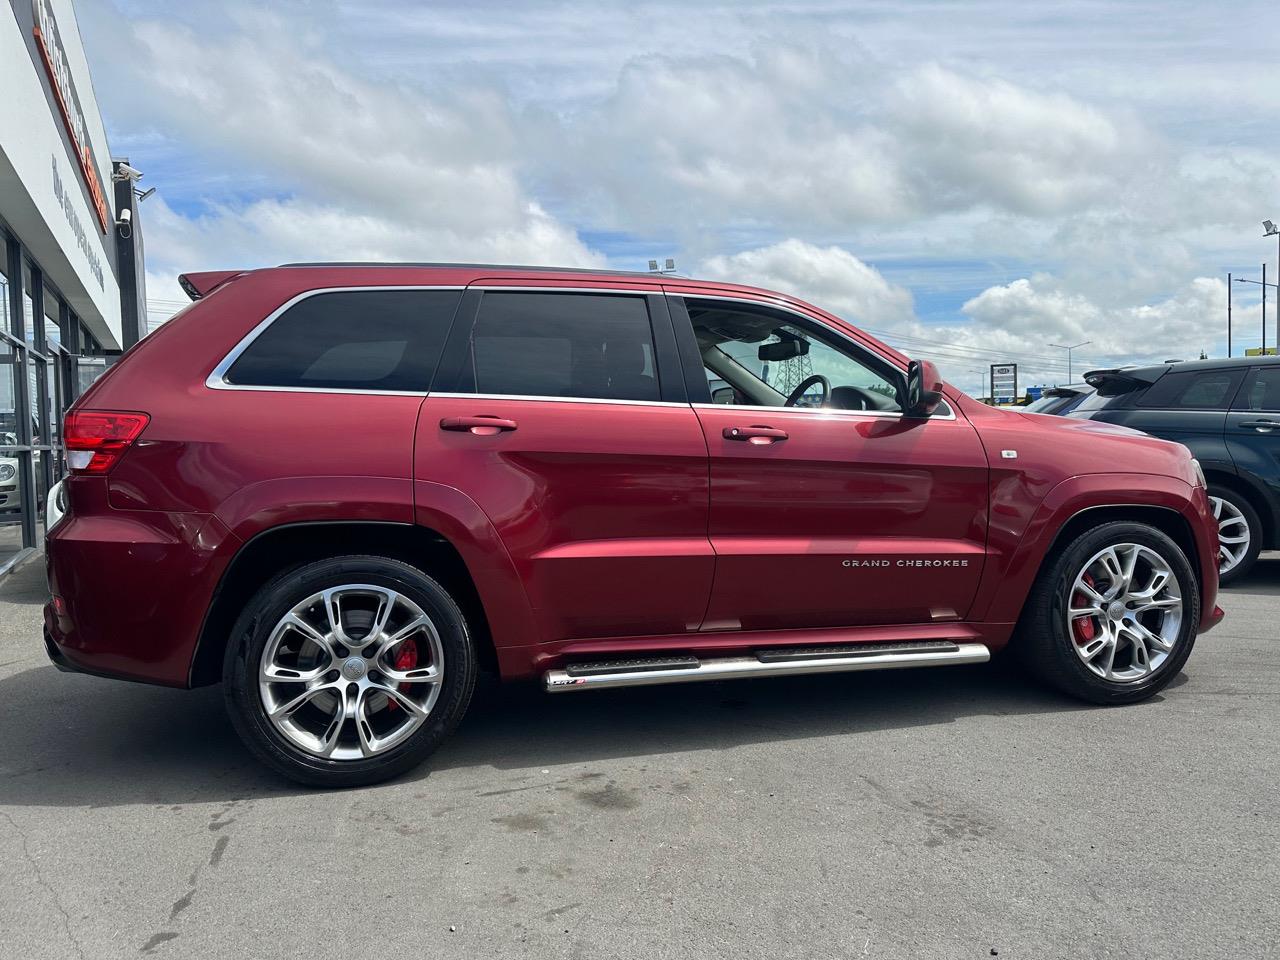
x=756, y=433
x=1259, y=425
x=481, y=426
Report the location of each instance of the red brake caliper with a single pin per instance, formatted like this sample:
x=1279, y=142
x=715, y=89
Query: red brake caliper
x=406, y=659
x=1085, y=629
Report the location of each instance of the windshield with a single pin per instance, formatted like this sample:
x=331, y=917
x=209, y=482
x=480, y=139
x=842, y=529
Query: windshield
x=1095, y=401
x=1046, y=402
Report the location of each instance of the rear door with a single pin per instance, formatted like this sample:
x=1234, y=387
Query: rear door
x=827, y=516
x=562, y=414
x=1253, y=428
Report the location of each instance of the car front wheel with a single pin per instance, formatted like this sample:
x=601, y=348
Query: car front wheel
x=1113, y=618
x=348, y=671
x=1239, y=529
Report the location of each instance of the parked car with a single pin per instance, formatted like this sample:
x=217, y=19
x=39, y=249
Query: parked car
x=1227, y=412
x=1059, y=401
x=534, y=479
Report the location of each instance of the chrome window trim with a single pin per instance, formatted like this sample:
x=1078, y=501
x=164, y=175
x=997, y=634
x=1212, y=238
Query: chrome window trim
x=623, y=291
x=830, y=411
x=217, y=380
x=528, y=397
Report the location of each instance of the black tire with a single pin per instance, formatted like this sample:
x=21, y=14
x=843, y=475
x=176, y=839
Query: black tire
x=254, y=629
x=1255, y=533
x=1044, y=643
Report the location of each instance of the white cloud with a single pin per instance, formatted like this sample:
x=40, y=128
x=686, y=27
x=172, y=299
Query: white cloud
x=983, y=153
x=1009, y=322
x=828, y=276
x=353, y=169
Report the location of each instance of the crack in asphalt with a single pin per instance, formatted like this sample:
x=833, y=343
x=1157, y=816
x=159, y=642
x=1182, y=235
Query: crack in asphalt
x=45, y=885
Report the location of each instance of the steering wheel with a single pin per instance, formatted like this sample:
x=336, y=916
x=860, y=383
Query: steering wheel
x=805, y=384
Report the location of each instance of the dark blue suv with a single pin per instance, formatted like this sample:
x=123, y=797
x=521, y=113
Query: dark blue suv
x=1228, y=413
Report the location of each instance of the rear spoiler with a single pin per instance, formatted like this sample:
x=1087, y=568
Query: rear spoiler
x=1112, y=383
x=197, y=285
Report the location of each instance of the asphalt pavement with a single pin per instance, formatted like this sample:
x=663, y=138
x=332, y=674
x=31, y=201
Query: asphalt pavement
x=947, y=813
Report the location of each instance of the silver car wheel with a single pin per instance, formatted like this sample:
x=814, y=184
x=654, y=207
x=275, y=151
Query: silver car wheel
x=1124, y=612
x=351, y=671
x=1233, y=534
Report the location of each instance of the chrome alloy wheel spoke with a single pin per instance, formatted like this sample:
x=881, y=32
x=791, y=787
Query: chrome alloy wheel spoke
x=1233, y=533
x=351, y=671
x=1124, y=612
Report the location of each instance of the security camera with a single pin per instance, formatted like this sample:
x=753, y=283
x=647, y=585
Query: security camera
x=125, y=224
x=126, y=172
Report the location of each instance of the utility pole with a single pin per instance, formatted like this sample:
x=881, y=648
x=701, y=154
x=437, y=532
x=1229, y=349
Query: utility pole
x=1228, y=316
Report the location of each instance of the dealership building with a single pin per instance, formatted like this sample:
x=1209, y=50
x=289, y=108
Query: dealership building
x=71, y=269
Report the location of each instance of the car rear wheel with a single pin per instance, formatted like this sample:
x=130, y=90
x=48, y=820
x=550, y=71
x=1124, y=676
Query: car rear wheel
x=348, y=671
x=1113, y=618
x=1239, y=533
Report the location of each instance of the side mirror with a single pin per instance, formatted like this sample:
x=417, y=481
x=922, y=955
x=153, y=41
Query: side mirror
x=924, y=389
x=722, y=395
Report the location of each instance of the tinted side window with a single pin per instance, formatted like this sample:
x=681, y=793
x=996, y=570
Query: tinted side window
x=1262, y=393
x=593, y=346
x=1192, y=390
x=352, y=340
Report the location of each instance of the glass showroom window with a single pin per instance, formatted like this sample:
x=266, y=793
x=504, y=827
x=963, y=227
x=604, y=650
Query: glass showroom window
x=13, y=480
x=48, y=357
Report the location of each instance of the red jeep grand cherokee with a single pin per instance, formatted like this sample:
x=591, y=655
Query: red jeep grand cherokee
x=342, y=489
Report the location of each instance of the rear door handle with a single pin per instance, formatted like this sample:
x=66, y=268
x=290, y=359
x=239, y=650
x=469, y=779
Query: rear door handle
x=1259, y=424
x=756, y=433
x=481, y=426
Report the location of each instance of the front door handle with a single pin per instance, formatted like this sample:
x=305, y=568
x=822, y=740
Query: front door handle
x=756, y=433
x=481, y=426
x=1259, y=424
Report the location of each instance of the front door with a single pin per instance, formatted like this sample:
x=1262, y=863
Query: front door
x=1253, y=429
x=828, y=507
x=566, y=426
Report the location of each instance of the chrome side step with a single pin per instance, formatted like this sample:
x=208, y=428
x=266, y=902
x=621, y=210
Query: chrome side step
x=764, y=663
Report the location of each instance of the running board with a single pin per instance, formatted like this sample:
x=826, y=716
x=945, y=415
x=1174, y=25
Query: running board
x=764, y=663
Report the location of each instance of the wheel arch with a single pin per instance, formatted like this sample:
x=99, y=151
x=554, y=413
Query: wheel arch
x=285, y=546
x=1170, y=504
x=1167, y=520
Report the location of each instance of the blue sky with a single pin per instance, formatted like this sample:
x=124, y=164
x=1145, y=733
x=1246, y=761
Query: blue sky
x=972, y=180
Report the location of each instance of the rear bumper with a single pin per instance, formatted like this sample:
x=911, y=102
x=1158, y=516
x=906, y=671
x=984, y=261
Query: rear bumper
x=130, y=589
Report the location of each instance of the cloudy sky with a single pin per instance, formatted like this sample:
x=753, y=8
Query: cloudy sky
x=972, y=181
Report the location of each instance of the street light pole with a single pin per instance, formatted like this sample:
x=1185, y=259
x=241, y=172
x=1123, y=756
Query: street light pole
x=1271, y=230
x=1263, y=284
x=1063, y=346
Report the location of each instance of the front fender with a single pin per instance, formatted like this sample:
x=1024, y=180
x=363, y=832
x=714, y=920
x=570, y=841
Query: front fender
x=1015, y=560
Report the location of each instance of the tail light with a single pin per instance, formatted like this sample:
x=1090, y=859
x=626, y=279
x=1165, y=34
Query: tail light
x=96, y=439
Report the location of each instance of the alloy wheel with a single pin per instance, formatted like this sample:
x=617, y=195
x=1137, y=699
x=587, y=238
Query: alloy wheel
x=1125, y=612
x=351, y=671
x=1233, y=534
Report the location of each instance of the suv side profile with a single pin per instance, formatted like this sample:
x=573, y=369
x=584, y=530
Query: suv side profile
x=1227, y=412
x=343, y=489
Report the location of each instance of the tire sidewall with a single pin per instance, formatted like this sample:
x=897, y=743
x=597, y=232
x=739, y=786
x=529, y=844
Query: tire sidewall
x=255, y=626
x=1068, y=567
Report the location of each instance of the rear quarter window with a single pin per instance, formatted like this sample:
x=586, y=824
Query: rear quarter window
x=1193, y=390
x=351, y=340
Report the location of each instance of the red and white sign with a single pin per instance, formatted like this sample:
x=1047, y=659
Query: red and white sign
x=64, y=92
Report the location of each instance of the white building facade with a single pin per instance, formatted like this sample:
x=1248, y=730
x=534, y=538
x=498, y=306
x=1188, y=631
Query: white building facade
x=64, y=310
